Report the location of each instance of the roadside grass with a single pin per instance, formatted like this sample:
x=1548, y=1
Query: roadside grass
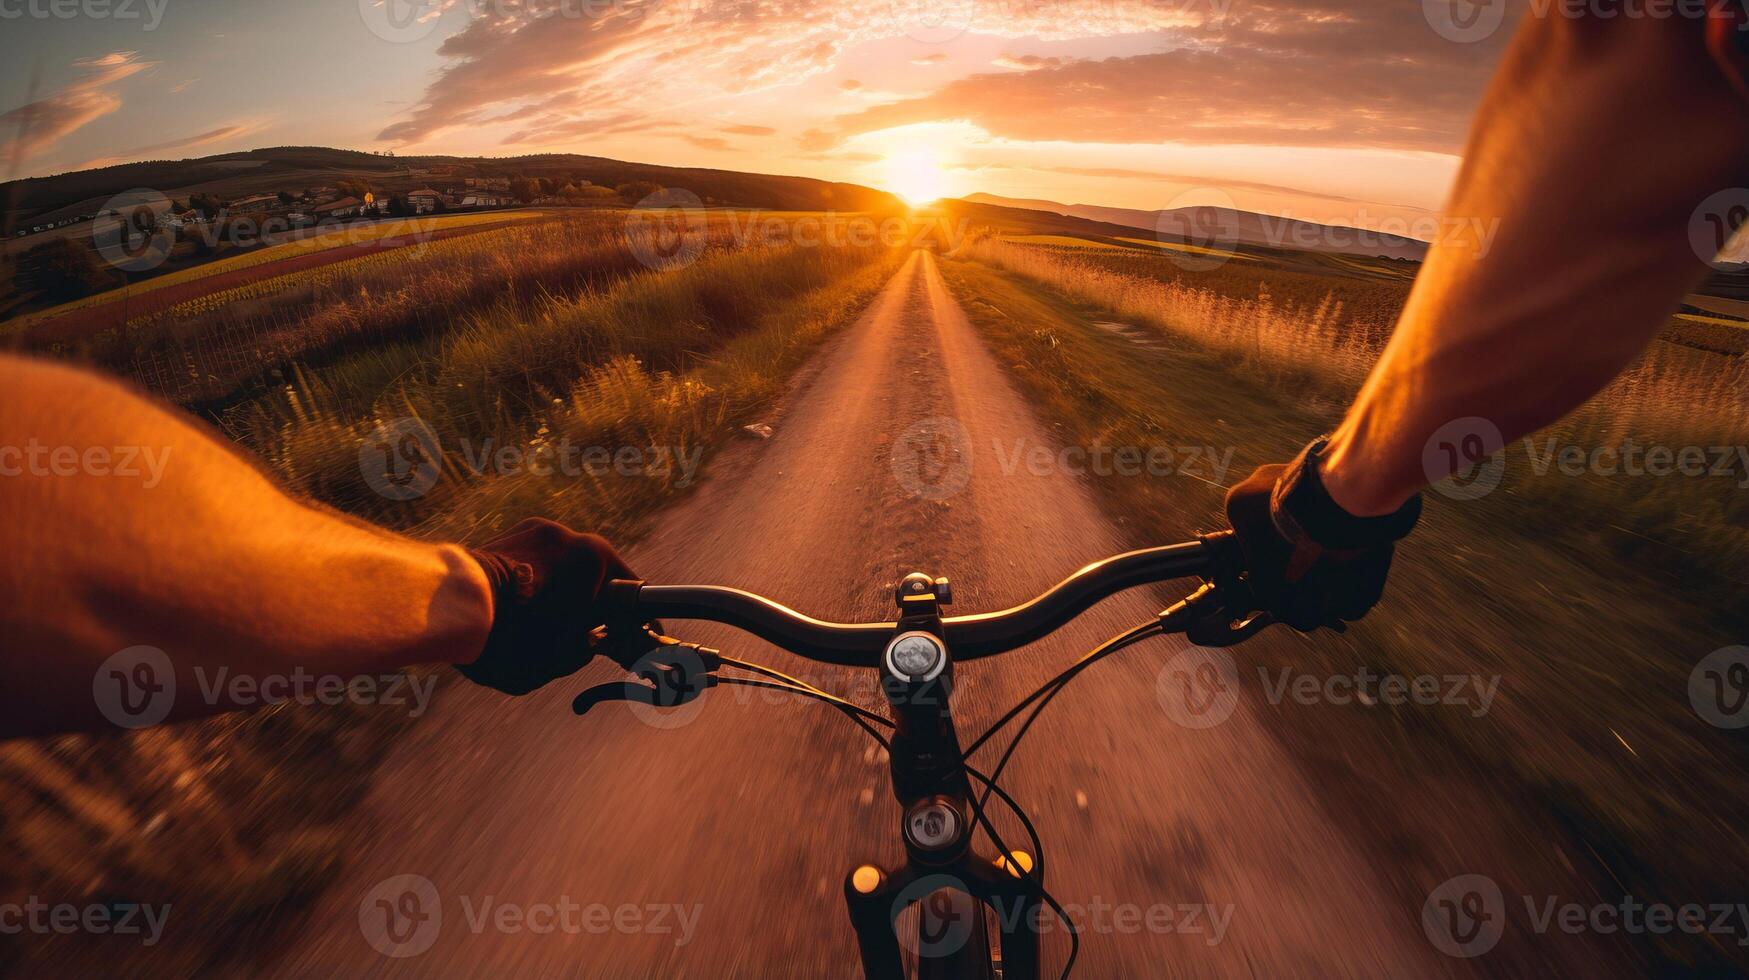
x=1675, y=396
x=525, y=373
x=235, y=820
x=1591, y=771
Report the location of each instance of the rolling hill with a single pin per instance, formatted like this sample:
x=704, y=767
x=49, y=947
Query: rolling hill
x=1228, y=225
x=292, y=167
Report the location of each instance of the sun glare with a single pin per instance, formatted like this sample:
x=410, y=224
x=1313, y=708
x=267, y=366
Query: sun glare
x=916, y=175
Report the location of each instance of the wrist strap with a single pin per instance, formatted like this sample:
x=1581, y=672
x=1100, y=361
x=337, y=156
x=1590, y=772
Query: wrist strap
x=1302, y=508
x=510, y=581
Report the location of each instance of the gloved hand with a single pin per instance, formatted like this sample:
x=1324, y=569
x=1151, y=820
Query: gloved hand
x=546, y=584
x=1309, y=562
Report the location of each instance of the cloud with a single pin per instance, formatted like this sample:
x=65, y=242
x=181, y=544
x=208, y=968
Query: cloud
x=565, y=72
x=182, y=86
x=554, y=128
x=842, y=157
x=706, y=142
x=850, y=85
x=1026, y=62
x=930, y=59
x=816, y=140
x=500, y=62
x=39, y=126
x=1191, y=180
x=742, y=129
x=1202, y=180
x=1319, y=73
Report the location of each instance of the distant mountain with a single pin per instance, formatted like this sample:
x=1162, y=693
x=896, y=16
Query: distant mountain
x=1229, y=225
x=265, y=171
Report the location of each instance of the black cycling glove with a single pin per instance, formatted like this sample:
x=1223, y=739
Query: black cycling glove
x=546, y=584
x=1310, y=563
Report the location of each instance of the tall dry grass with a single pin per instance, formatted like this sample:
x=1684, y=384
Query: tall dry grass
x=216, y=347
x=1265, y=335
x=1673, y=397
x=659, y=353
x=1672, y=391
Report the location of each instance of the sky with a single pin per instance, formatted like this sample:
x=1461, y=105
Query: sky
x=1350, y=111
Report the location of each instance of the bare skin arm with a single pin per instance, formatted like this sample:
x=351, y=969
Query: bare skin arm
x=1591, y=150
x=129, y=525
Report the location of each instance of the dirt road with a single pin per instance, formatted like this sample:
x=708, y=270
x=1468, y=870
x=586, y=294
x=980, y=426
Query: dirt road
x=712, y=842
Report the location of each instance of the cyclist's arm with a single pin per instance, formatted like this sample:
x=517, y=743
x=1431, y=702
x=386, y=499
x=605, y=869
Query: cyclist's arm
x=1595, y=143
x=127, y=525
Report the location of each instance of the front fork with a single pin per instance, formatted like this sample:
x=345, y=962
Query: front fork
x=955, y=889
x=951, y=939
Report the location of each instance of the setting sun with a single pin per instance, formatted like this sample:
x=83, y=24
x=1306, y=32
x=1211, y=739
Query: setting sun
x=916, y=175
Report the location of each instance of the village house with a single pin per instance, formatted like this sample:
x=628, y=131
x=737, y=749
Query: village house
x=424, y=200
x=260, y=202
x=346, y=207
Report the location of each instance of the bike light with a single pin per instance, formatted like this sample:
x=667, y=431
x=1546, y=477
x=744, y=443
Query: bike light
x=933, y=825
x=865, y=879
x=915, y=656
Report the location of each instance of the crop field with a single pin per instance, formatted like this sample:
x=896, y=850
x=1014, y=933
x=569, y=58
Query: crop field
x=322, y=245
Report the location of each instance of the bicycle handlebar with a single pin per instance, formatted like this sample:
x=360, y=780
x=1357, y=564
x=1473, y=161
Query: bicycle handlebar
x=969, y=637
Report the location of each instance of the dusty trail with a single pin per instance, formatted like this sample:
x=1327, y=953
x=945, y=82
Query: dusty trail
x=746, y=810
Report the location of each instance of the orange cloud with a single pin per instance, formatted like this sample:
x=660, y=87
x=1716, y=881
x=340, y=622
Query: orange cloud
x=42, y=124
x=1319, y=73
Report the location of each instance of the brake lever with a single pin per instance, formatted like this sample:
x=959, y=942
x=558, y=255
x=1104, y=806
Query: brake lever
x=1222, y=611
x=654, y=695
x=1217, y=625
x=674, y=672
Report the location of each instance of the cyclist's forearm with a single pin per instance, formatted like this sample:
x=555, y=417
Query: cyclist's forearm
x=127, y=525
x=1567, y=247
